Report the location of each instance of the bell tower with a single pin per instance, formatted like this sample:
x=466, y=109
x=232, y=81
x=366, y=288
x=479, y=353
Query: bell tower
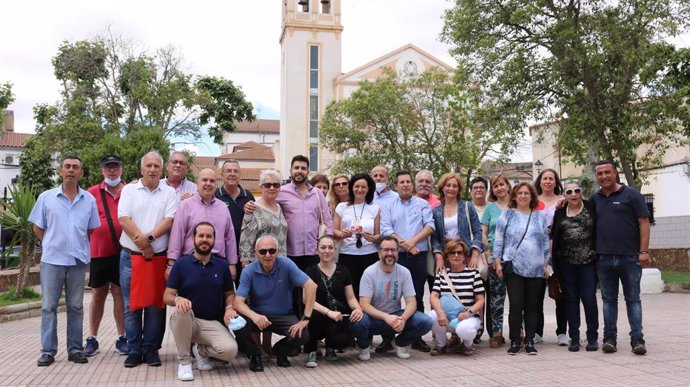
x=310, y=43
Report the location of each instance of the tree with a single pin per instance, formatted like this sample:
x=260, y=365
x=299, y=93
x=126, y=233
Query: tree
x=116, y=99
x=435, y=120
x=6, y=98
x=597, y=66
x=15, y=217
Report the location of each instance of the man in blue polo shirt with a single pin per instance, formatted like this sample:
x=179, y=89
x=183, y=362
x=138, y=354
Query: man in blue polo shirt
x=268, y=282
x=201, y=290
x=622, y=244
x=63, y=219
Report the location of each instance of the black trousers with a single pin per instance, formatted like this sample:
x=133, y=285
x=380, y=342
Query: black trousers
x=524, y=295
x=561, y=317
x=356, y=264
x=280, y=325
x=337, y=334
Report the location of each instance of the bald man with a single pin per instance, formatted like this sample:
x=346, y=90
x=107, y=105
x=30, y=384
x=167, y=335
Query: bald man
x=203, y=206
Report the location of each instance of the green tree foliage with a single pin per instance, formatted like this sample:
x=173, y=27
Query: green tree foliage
x=597, y=66
x=6, y=98
x=435, y=120
x=115, y=99
x=15, y=217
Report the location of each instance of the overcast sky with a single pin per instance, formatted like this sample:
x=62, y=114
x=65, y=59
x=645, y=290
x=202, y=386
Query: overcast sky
x=237, y=40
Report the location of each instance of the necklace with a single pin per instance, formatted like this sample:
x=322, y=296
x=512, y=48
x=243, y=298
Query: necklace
x=570, y=215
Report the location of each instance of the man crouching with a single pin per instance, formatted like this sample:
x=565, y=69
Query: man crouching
x=201, y=290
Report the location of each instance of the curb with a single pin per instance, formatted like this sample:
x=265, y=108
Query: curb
x=25, y=310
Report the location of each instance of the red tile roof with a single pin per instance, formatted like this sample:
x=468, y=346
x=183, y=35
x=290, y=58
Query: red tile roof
x=14, y=140
x=203, y=162
x=258, y=126
x=257, y=154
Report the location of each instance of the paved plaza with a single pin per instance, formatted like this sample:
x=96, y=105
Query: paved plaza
x=666, y=327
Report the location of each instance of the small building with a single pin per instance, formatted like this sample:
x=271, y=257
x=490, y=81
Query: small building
x=11, y=147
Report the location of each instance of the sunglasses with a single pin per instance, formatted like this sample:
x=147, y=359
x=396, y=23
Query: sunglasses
x=452, y=253
x=341, y=184
x=269, y=251
x=572, y=191
x=271, y=185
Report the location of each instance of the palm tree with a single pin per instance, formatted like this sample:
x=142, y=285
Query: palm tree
x=15, y=216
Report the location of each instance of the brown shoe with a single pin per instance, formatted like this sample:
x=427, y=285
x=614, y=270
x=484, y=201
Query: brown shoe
x=454, y=340
x=438, y=351
x=496, y=340
x=467, y=351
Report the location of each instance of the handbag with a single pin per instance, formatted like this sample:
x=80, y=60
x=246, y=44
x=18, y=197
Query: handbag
x=111, y=225
x=148, y=282
x=451, y=304
x=555, y=290
x=482, y=265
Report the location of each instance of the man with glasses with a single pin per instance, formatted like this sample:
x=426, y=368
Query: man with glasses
x=105, y=256
x=382, y=287
x=177, y=168
x=204, y=207
x=408, y=219
x=269, y=282
x=63, y=219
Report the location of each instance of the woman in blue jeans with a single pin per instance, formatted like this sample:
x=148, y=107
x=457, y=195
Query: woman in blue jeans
x=574, y=257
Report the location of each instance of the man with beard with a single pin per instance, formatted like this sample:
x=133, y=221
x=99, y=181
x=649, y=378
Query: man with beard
x=146, y=213
x=204, y=206
x=408, y=219
x=176, y=176
x=304, y=208
x=201, y=290
x=382, y=287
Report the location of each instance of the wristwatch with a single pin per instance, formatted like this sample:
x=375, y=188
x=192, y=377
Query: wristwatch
x=306, y=318
x=150, y=237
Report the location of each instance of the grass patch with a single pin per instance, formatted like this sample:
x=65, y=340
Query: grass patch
x=7, y=297
x=676, y=277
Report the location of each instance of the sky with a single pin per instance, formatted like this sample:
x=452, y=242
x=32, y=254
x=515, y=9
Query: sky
x=237, y=40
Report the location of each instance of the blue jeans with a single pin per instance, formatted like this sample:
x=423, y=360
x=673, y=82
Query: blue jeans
x=415, y=327
x=628, y=270
x=53, y=278
x=579, y=283
x=416, y=264
x=145, y=334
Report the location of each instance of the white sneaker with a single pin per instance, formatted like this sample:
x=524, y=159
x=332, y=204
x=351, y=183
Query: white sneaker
x=402, y=352
x=184, y=372
x=202, y=363
x=537, y=338
x=562, y=340
x=364, y=354
x=311, y=360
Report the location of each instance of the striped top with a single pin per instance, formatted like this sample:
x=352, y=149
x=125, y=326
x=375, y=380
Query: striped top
x=467, y=283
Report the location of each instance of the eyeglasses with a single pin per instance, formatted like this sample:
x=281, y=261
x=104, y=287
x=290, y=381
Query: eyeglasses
x=270, y=185
x=181, y=162
x=453, y=253
x=264, y=251
x=341, y=184
x=388, y=250
x=571, y=191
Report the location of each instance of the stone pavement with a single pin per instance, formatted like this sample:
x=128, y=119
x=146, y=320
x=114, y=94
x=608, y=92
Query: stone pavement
x=666, y=327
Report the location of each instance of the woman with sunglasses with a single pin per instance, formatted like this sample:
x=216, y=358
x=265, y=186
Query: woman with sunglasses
x=549, y=189
x=357, y=224
x=466, y=285
x=573, y=236
x=338, y=193
x=336, y=305
x=499, y=194
x=266, y=219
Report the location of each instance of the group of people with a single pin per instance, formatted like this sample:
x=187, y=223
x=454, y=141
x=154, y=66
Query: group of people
x=310, y=261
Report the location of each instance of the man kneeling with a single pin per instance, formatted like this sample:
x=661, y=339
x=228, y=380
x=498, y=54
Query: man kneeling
x=382, y=286
x=200, y=288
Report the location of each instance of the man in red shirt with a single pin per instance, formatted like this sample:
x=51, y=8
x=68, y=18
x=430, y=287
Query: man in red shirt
x=105, y=256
